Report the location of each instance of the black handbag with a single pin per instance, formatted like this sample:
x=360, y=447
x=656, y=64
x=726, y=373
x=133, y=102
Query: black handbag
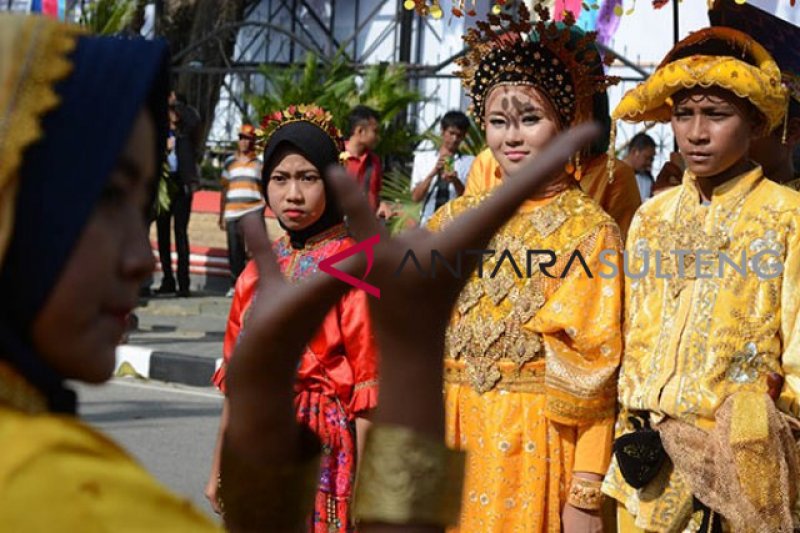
x=640, y=453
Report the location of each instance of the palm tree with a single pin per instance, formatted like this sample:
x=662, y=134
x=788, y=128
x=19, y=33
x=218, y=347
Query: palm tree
x=110, y=17
x=335, y=86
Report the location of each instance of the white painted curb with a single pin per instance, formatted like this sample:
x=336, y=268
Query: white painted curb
x=149, y=363
x=136, y=356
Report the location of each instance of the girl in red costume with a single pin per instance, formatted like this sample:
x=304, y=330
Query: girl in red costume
x=336, y=383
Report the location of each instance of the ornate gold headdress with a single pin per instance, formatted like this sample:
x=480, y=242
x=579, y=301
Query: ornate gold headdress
x=556, y=58
x=459, y=7
x=312, y=114
x=759, y=83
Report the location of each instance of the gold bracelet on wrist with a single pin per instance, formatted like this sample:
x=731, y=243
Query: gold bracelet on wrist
x=585, y=494
x=270, y=496
x=408, y=478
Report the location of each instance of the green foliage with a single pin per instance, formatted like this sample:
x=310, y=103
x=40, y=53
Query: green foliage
x=397, y=189
x=108, y=17
x=335, y=87
x=309, y=84
x=475, y=142
x=166, y=190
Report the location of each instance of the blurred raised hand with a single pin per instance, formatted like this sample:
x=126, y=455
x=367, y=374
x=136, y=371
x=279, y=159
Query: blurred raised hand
x=413, y=312
x=409, y=318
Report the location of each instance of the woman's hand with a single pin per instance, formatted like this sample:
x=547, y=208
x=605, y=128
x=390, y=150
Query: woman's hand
x=284, y=317
x=574, y=520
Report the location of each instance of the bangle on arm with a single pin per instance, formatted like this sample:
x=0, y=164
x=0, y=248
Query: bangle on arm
x=270, y=497
x=408, y=478
x=585, y=494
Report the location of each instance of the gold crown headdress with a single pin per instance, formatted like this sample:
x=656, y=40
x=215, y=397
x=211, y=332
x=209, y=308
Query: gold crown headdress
x=556, y=58
x=312, y=114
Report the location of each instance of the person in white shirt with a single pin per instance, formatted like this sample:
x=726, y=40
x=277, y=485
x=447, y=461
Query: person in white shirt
x=441, y=175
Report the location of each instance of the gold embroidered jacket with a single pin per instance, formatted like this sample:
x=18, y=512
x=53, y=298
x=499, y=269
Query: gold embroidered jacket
x=692, y=341
x=560, y=336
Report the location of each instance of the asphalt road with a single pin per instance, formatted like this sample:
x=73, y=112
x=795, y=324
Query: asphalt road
x=169, y=429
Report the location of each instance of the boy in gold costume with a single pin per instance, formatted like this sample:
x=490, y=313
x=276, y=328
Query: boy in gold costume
x=709, y=383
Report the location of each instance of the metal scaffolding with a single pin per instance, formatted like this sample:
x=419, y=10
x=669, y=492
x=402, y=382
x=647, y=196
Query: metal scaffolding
x=281, y=32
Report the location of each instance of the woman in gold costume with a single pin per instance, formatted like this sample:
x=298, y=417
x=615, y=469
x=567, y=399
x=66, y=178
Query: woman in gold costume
x=617, y=193
x=534, y=342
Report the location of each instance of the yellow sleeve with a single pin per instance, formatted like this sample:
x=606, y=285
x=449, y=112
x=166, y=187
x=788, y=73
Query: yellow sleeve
x=482, y=174
x=581, y=324
x=57, y=474
x=593, y=447
x=790, y=323
x=625, y=198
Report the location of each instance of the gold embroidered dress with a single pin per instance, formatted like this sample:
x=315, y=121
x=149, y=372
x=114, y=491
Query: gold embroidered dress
x=619, y=196
x=692, y=343
x=531, y=363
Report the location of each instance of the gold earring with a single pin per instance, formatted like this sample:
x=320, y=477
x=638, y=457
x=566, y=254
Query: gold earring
x=611, y=155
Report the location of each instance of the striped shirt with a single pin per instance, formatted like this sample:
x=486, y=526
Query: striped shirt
x=242, y=181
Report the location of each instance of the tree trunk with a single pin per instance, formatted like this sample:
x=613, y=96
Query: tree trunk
x=190, y=21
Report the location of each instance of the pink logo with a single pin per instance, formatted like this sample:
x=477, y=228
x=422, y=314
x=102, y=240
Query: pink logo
x=326, y=265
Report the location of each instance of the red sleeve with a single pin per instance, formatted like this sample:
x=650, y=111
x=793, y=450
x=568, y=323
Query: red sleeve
x=377, y=180
x=243, y=295
x=361, y=350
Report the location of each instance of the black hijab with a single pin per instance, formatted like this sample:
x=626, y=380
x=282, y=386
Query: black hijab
x=321, y=150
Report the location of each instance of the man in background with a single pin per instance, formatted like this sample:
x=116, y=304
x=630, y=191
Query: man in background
x=362, y=162
x=184, y=143
x=641, y=152
x=241, y=194
x=777, y=150
x=441, y=175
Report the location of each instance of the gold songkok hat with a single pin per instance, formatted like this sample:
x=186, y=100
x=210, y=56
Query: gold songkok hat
x=759, y=83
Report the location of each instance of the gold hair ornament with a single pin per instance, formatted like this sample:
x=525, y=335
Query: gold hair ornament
x=312, y=114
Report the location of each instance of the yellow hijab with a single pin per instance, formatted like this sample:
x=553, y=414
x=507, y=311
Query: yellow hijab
x=33, y=58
